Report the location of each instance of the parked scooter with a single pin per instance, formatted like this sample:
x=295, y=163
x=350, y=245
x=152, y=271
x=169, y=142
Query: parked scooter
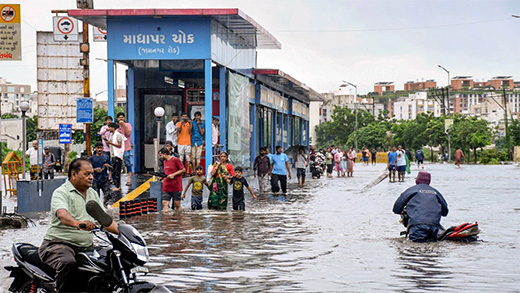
x=110, y=268
x=319, y=166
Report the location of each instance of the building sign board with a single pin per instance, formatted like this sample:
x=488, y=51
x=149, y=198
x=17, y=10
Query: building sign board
x=158, y=39
x=100, y=35
x=60, y=82
x=85, y=108
x=10, y=33
x=65, y=133
x=65, y=29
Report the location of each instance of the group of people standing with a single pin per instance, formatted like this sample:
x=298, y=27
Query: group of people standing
x=187, y=138
x=341, y=161
x=114, y=150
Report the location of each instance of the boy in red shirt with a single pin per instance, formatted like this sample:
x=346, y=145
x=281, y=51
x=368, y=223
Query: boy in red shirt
x=172, y=184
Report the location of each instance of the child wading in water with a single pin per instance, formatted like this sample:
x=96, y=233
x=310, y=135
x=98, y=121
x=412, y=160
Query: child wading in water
x=198, y=182
x=238, y=183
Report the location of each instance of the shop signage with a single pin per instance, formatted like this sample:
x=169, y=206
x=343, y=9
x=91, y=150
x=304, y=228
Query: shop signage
x=158, y=39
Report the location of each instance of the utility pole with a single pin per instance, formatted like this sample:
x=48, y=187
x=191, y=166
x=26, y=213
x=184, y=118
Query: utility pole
x=506, y=122
x=85, y=48
x=447, y=90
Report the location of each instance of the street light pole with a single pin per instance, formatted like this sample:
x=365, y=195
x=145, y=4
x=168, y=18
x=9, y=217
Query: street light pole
x=446, y=111
x=159, y=113
x=355, y=107
x=24, y=107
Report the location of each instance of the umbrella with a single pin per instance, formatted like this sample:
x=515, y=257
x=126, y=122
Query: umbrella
x=295, y=149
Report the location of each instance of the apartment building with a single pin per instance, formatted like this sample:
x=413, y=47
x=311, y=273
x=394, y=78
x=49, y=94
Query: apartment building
x=384, y=86
x=420, y=85
x=11, y=95
x=407, y=108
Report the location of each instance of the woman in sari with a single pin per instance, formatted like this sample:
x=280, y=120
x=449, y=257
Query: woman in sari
x=337, y=161
x=218, y=196
x=351, y=156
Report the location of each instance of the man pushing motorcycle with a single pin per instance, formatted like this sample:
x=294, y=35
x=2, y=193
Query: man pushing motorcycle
x=70, y=225
x=424, y=206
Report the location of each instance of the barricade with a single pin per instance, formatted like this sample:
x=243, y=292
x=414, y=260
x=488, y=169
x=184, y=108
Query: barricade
x=137, y=207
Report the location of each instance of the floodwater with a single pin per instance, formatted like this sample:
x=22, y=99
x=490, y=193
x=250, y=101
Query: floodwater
x=334, y=235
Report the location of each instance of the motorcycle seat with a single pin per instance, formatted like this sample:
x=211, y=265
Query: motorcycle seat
x=29, y=253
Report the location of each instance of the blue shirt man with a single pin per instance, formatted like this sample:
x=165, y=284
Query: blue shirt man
x=197, y=139
x=392, y=160
x=101, y=165
x=279, y=165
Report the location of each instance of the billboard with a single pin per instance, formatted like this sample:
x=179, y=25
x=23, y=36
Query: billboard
x=60, y=82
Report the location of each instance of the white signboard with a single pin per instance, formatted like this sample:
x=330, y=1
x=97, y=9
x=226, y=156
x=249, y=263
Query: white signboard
x=100, y=35
x=60, y=82
x=65, y=29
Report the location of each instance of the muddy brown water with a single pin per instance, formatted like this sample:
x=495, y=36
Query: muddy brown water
x=333, y=235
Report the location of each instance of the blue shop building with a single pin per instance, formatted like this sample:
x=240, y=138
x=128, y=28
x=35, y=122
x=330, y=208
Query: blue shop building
x=188, y=60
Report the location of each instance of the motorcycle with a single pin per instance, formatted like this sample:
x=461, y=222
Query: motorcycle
x=465, y=232
x=318, y=167
x=110, y=268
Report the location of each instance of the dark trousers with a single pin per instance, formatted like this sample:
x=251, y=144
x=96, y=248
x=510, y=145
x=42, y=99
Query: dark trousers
x=116, y=171
x=48, y=175
x=103, y=185
x=62, y=258
x=283, y=182
x=423, y=232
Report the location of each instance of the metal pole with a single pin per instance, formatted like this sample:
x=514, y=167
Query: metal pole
x=355, y=105
x=156, y=145
x=24, y=144
x=506, y=124
x=449, y=146
x=86, y=86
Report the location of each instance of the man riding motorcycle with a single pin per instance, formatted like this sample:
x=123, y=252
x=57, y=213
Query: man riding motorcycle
x=70, y=225
x=424, y=206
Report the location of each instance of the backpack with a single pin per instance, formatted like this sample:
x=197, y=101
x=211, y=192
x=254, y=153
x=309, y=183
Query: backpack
x=465, y=232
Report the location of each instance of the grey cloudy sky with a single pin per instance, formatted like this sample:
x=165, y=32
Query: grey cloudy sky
x=325, y=42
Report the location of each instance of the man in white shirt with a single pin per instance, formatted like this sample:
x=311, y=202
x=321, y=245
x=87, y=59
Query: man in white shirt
x=171, y=131
x=401, y=163
x=117, y=151
x=32, y=153
x=215, y=134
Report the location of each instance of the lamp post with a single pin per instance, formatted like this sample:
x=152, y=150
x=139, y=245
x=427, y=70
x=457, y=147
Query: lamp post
x=159, y=113
x=345, y=84
x=24, y=107
x=447, y=89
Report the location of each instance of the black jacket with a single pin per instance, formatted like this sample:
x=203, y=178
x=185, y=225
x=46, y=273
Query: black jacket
x=424, y=205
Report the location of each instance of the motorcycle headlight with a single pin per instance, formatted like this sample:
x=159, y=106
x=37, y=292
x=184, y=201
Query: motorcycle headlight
x=140, y=251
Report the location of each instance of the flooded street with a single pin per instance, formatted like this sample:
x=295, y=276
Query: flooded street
x=334, y=235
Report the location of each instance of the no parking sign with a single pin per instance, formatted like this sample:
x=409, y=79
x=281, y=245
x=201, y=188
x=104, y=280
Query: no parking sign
x=65, y=29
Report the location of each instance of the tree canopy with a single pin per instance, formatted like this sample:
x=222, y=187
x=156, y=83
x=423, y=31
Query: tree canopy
x=468, y=133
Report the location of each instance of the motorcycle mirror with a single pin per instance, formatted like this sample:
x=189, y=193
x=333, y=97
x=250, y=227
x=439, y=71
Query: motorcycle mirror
x=95, y=210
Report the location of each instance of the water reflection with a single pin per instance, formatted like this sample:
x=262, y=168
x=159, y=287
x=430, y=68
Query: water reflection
x=225, y=250
x=422, y=265
x=333, y=235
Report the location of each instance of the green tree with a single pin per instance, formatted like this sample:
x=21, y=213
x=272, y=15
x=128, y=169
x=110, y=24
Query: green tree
x=471, y=134
x=342, y=126
x=374, y=135
x=31, y=128
x=9, y=116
